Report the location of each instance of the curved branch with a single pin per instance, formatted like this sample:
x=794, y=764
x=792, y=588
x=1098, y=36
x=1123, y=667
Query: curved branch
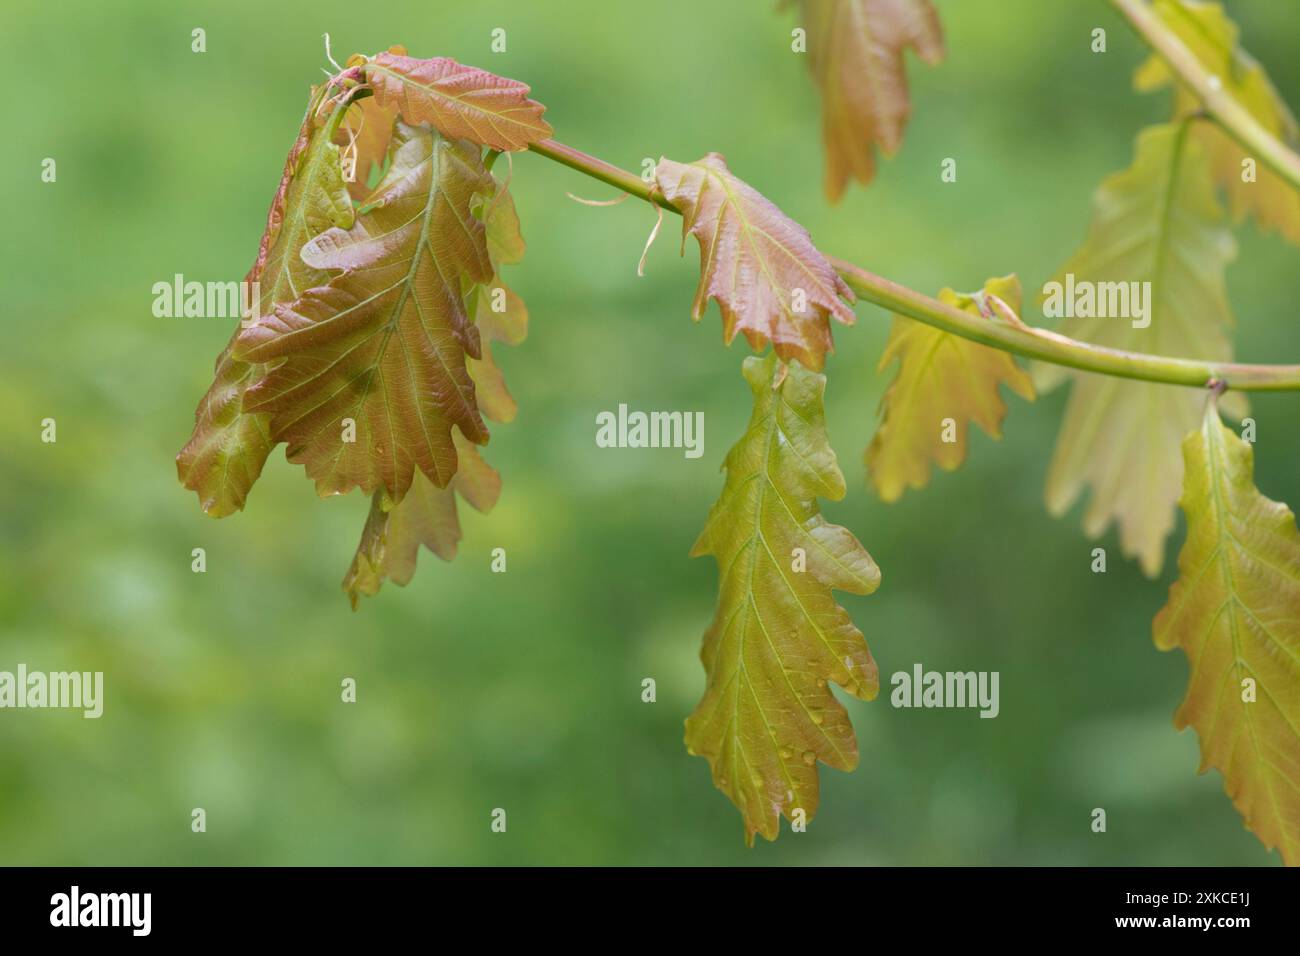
x=1218, y=103
x=1028, y=341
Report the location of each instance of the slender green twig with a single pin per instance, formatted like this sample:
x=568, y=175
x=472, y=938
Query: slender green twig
x=1027, y=341
x=1217, y=101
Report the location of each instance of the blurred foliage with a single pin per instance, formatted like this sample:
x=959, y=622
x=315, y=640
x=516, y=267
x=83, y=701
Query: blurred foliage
x=522, y=690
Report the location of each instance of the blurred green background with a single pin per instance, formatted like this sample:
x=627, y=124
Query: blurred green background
x=522, y=690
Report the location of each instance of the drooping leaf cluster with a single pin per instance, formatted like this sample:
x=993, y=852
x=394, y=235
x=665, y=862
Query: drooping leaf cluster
x=368, y=353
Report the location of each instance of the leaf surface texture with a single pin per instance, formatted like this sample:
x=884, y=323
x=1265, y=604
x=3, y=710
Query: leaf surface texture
x=384, y=344
x=428, y=515
x=231, y=443
x=779, y=638
x=460, y=102
x=1235, y=611
x=769, y=280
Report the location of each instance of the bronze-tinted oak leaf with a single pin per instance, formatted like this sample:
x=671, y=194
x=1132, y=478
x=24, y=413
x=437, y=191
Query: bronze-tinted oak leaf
x=372, y=374
x=460, y=102
x=427, y=515
x=761, y=267
x=1235, y=611
x=855, y=53
x=392, y=536
x=230, y=443
x=778, y=638
x=943, y=382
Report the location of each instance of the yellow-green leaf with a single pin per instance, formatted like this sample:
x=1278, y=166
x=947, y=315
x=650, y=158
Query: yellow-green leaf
x=1213, y=38
x=778, y=638
x=944, y=383
x=1235, y=611
x=855, y=53
x=230, y=443
x=761, y=266
x=499, y=313
x=509, y=327
x=1158, y=222
x=505, y=239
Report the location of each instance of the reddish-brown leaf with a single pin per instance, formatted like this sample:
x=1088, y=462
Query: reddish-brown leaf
x=855, y=52
x=382, y=348
x=461, y=102
x=427, y=515
x=769, y=280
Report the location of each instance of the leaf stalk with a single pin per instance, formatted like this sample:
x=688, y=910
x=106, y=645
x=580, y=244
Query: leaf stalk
x=1027, y=341
x=1216, y=100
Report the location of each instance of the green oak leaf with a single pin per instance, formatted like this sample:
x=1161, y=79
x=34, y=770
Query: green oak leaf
x=499, y=313
x=1235, y=611
x=230, y=443
x=778, y=638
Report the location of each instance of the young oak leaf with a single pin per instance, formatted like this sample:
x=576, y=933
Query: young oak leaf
x=778, y=637
x=761, y=267
x=1235, y=611
x=508, y=326
x=460, y=102
x=1207, y=30
x=505, y=238
x=500, y=314
x=427, y=515
x=1158, y=222
x=383, y=345
x=940, y=376
x=230, y=443
x=855, y=53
